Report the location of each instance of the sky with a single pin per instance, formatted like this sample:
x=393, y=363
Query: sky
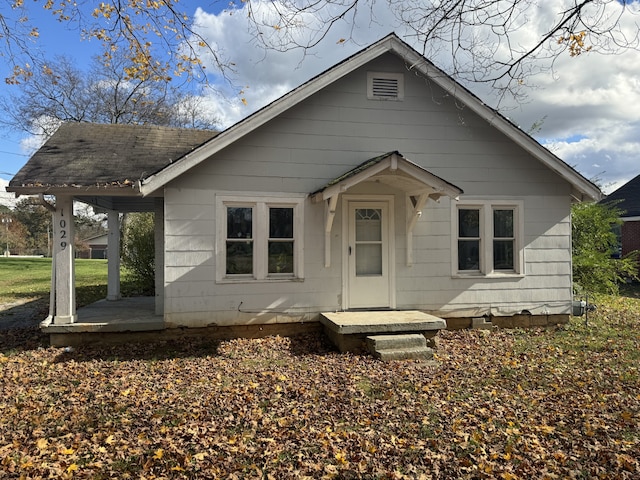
x=587, y=107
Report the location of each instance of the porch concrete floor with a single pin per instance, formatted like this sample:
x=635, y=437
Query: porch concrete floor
x=387, y=321
x=135, y=314
x=348, y=330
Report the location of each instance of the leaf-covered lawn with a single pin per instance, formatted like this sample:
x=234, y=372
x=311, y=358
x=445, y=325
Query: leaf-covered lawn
x=557, y=403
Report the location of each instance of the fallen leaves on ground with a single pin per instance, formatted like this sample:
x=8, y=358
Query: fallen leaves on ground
x=510, y=404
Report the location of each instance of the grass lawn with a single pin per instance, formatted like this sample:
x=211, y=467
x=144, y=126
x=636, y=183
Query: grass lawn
x=30, y=279
x=510, y=404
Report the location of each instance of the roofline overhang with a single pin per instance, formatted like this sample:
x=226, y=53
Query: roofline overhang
x=415, y=62
x=106, y=191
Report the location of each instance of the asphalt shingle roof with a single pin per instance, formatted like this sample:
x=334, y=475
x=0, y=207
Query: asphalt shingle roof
x=89, y=154
x=627, y=198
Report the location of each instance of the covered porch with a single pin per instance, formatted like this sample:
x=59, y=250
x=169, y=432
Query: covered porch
x=102, y=166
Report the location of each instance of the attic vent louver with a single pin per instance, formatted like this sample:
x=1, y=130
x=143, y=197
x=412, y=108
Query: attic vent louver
x=385, y=86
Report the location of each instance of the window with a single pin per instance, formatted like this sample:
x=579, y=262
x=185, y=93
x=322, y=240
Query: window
x=281, y=240
x=487, y=238
x=385, y=86
x=239, y=240
x=259, y=239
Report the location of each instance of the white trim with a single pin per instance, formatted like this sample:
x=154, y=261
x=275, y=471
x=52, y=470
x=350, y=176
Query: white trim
x=260, y=202
x=417, y=63
x=630, y=219
x=486, y=207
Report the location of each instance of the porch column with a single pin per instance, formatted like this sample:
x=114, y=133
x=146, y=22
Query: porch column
x=113, y=256
x=158, y=230
x=63, y=257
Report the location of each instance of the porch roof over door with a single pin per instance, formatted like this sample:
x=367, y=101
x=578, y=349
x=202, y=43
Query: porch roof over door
x=391, y=169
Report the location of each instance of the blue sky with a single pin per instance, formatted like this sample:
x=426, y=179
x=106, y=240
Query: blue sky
x=588, y=104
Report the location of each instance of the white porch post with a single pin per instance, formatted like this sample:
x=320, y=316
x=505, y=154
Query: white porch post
x=63, y=256
x=113, y=256
x=158, y=230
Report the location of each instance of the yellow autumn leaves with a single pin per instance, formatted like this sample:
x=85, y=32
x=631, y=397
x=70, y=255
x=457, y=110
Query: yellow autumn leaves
x=575, y=43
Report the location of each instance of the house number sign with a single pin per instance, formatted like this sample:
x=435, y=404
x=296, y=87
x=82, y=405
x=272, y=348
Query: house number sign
x=62, y=223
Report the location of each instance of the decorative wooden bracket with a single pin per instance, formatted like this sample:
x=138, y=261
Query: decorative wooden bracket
x=415, y=204
x=329, y=215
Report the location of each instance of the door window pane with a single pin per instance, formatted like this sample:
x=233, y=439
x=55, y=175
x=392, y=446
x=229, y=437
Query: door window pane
x=368, y=224
x=368, y=248
x=368, y=259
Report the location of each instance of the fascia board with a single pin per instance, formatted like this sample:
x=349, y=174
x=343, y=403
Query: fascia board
x=429, y=179
x=77, y=191
x=244, y=127
x=426, y=68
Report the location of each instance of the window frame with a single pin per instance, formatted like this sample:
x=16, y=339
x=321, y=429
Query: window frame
x=260, y=203
x=486, y=218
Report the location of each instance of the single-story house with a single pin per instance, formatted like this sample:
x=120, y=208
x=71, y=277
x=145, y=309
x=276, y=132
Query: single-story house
x=380, y=184
x=627, y=199
x=96, y=247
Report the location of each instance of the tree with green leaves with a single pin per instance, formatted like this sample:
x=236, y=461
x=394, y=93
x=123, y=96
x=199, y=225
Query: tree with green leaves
x=138, y=250
x=596, y=268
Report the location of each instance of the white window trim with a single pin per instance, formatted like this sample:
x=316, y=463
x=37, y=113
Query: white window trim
x=260, y=202
x=386, y=75
x=486, y=208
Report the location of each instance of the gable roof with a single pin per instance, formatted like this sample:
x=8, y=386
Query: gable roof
x=393, y=169
x=107, y=156
x=582, y=187
x=627, y=198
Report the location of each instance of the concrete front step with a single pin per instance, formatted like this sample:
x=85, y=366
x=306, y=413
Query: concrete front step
x=399, y=347
x=413, y=353
x=348, y=330
x=393, y=342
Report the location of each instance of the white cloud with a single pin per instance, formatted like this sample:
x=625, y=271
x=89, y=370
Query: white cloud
x=6, y=198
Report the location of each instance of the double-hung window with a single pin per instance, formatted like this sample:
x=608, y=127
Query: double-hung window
x=259, y=238
x=488, y=238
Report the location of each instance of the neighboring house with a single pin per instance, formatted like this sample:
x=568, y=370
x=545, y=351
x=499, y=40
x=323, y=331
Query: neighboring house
x=627, y=199
x=96, y=247
x=379, y=184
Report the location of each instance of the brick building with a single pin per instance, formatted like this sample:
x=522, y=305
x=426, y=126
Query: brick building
x=627, y=199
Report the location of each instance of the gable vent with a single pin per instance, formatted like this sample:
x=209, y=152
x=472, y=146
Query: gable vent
x=385, y=86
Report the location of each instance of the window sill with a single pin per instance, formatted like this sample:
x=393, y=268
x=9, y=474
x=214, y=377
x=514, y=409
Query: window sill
x=488, y=275
x=229, y=280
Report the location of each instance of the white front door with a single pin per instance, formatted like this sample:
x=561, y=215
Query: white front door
x=368, y=255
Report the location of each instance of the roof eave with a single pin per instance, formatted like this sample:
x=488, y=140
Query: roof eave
x=132, y=190
x=528, y=143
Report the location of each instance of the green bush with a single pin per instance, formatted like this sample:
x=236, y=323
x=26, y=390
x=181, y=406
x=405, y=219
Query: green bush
x=594, y=243
x=138, y=250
